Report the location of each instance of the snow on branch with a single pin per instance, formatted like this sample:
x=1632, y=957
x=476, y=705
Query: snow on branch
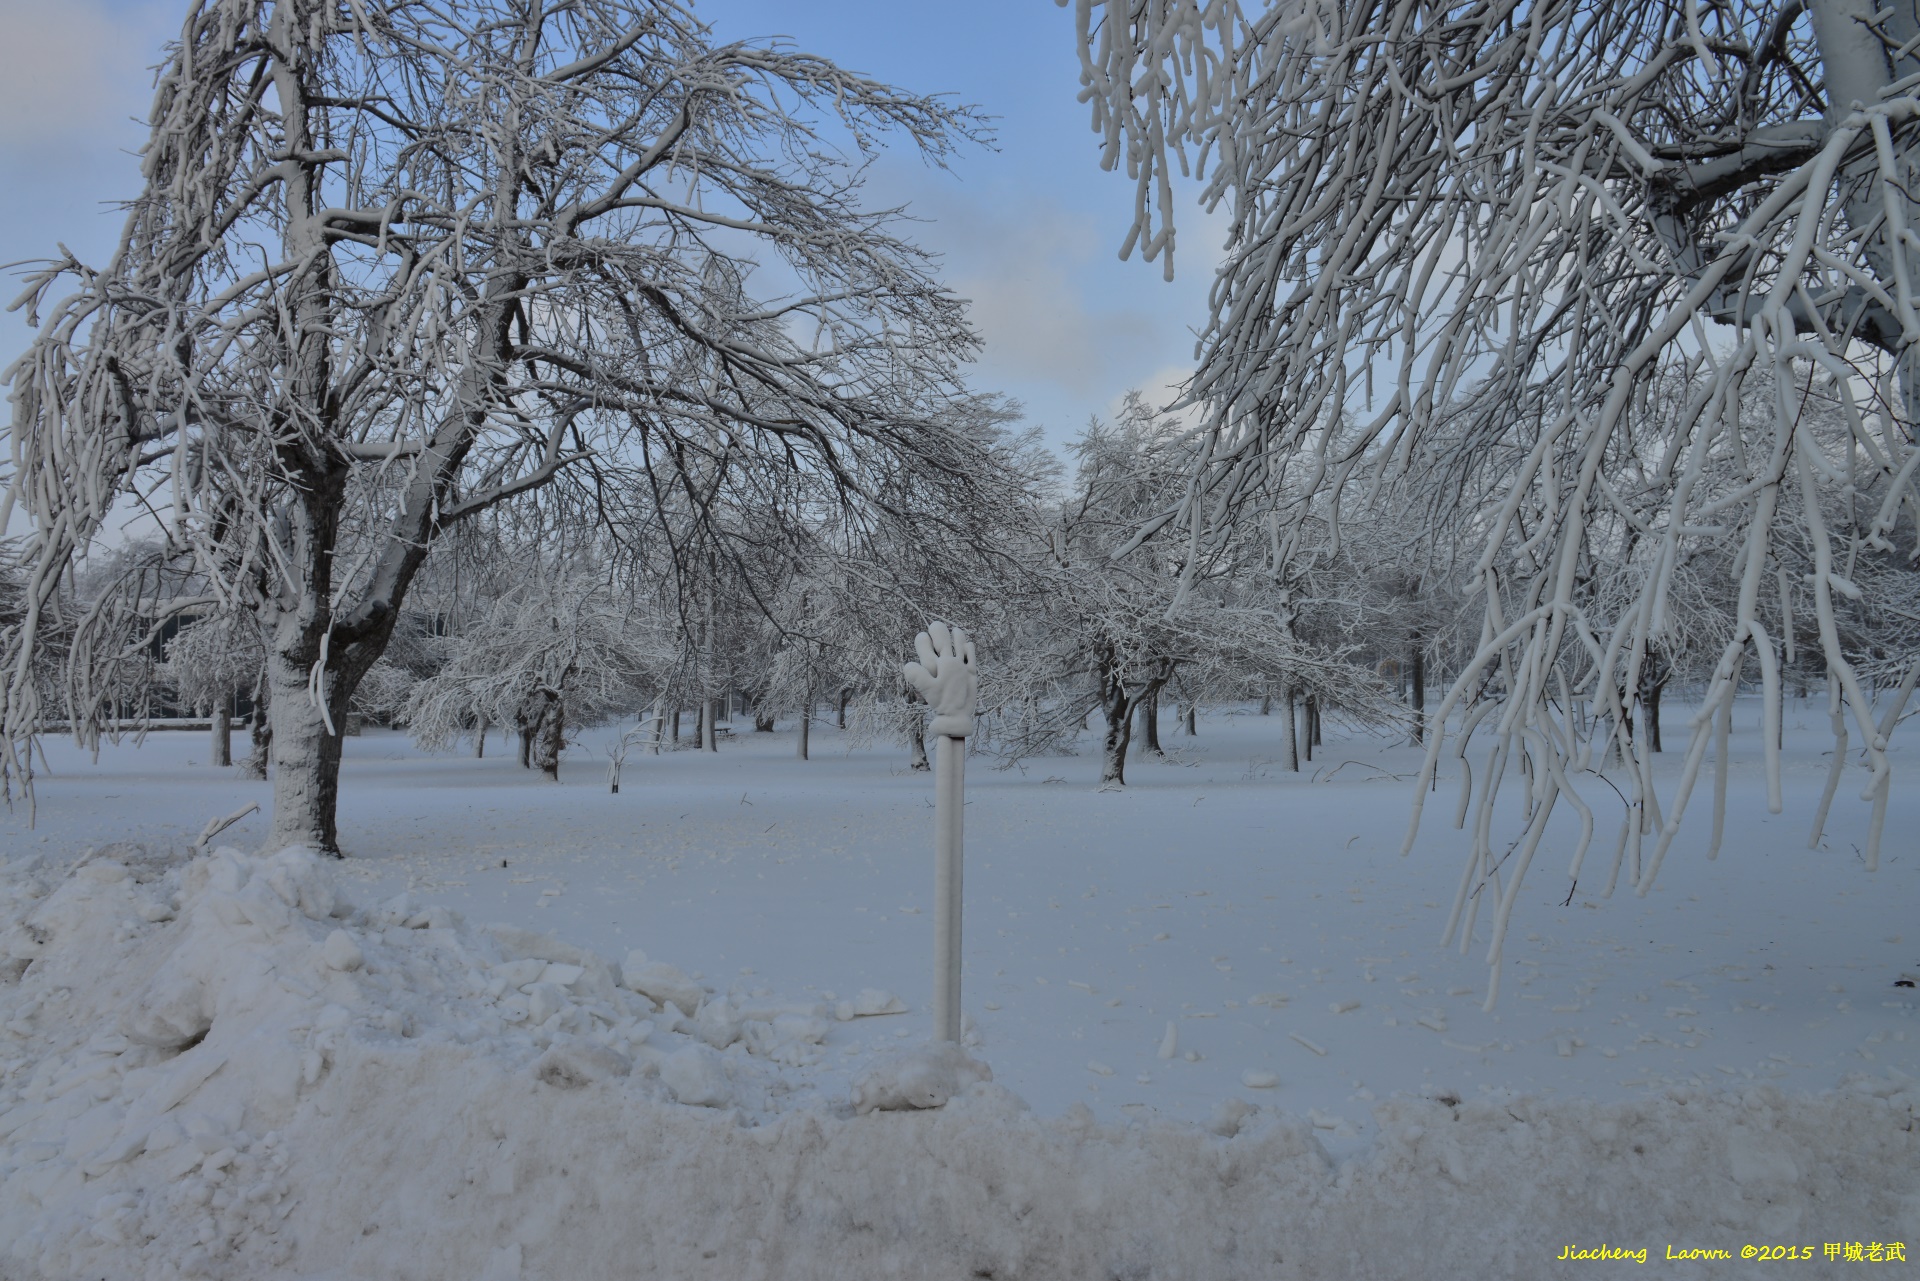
x=1600, y=288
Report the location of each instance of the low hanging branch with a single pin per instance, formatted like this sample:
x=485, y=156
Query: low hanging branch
x=1609, y=288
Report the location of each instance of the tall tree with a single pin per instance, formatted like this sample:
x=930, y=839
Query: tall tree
x=397, y=261
x=1486, y=230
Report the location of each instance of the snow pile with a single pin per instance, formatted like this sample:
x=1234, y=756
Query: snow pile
x=219, y=1068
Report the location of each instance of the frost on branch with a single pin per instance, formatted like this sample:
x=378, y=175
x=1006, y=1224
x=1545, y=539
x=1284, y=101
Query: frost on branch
x=1598, y=287
x=396, y=264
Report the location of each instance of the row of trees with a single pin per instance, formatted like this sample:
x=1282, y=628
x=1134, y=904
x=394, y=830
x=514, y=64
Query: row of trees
x=529, y=626
x=529, y=630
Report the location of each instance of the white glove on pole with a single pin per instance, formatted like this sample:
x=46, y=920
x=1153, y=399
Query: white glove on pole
x=945, y=678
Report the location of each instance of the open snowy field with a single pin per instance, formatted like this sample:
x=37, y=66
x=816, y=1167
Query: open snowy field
x=1222, y=943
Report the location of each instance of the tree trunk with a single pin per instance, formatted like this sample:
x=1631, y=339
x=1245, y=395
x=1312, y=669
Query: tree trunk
x=1654, y=672
x=527, y=718
x=1149, y=705
x=917, y=741
x=1313, y=713
x=1119, y=712
x=1417, y=690
x=1191, y=732
x=845, y=694
x=306, y=757
x=221, y=722
x=1266, y=702
x=762, y=721
x=1309, y=729
x=806, y=723
x=260, y=731
x=1293, y=732
x=709, y=739
x=550, y=735
x=480, y=740
x=676, y=727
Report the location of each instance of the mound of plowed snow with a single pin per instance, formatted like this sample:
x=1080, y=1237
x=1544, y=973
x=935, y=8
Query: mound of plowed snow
x=219, y=1068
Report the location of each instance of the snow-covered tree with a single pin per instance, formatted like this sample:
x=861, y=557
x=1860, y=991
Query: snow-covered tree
x=1486, y=232
x=395, y=262
x=562, y=651
x=1110, y=618
x=209, y=662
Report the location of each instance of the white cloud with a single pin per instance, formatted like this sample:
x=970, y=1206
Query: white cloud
x=1035, y=271
x=1037, y=325
x=71, y=69
x=1160, y=389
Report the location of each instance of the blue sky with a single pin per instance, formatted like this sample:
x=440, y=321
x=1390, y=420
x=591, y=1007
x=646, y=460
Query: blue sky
x=1028, y=230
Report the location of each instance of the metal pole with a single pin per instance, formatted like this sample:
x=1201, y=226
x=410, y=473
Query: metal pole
x=948, y=856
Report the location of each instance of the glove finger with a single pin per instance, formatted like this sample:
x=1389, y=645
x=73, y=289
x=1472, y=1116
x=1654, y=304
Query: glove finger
x=942, y=639
x=929, y=658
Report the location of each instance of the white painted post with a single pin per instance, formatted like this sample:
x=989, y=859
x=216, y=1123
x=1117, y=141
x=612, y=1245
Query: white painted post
x=949, y=846
x=946, y=678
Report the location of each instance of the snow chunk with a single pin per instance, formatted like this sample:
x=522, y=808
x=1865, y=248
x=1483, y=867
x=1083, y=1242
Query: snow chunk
x=662, y=983
x=696, y=1077
x=920, y=1078
x=1756, y=1160
x=341, y=953
x=561, y=973
x=174, y=1011
x=296, y=876
x=106, y=871
x=517, y=974
x=572, y=1063
x=1229, y=1116
x=871, y=1001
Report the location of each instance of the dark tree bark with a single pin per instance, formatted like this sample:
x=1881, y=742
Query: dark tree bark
x=260, y=732
x=1655, y=671
x=1117, y=703
x=917, y=731
x=1118, y=709
x=1149, y=711
x=526, y=720
x=221, y=723
x=917, y=743
x=1417, y=689
x=1293, y=730
x=550, y=736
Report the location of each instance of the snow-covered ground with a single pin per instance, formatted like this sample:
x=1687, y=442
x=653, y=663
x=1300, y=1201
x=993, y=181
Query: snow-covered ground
x=1220, y=937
